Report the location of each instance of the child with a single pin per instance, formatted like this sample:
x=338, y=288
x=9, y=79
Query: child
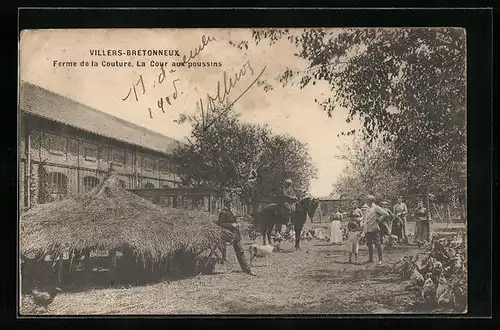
x=353, y=235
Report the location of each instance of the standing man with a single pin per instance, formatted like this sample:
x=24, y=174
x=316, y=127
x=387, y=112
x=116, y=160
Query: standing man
x=387, y=225
x=374, y=216
x=288, y=201
x=400, y=212
x=227, y=220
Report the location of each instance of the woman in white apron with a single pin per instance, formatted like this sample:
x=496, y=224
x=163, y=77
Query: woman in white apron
x=336, y=231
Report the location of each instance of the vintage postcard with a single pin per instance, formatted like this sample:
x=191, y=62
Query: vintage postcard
x=242, y=171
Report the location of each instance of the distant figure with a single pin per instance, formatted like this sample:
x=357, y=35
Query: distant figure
x=336, y=230
x=355, y=217
x=422, y=223
x=374, y=216
x=228, y=221
x=400, y=212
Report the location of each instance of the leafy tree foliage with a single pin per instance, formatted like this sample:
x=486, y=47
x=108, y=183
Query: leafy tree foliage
x=369, y=170
x=241, y=158
x=407, y=85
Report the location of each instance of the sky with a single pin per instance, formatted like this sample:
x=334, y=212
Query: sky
x=289, y=109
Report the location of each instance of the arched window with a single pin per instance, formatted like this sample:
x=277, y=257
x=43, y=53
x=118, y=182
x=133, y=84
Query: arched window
x=149, y=185
x=89, y=182
x=59, y=185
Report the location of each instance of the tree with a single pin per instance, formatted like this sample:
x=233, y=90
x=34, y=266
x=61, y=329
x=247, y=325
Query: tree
x=226, y=154
x=407, y=85
x=285, y=157
x=369, y=170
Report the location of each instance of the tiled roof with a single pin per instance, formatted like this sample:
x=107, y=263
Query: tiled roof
x=38, y=101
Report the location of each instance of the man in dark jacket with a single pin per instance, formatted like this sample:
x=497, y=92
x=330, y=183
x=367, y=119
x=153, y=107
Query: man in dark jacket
x=227, y=220
x=288, y=202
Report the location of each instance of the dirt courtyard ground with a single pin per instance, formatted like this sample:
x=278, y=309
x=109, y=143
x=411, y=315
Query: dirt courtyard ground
x=315, y=280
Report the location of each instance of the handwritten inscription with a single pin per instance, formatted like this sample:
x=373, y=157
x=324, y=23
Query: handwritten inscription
x=221, y=95
x=195, y=52
x=210, y=105
x=205, y=40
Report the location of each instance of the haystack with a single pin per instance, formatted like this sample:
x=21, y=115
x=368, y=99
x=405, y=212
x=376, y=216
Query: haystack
x=110, y=218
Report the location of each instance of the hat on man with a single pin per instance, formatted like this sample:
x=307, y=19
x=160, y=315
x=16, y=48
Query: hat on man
x=370, y=197
x=354, y=203
x=288, y=181
x=385, y=203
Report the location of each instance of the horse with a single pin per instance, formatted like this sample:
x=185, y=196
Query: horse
x=269, y=217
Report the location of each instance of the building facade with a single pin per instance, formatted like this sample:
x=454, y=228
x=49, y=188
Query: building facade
x=66, y=148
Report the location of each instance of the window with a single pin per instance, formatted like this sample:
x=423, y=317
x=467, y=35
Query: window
x=56, y=144
x=58, y=186
x=149, y=185
x=103, y=154
x=129, y=159
x=89, y=182
x=164, y=166
x=90, y=152
x=123, y=184
x=149, y=164
x=118, y=157
x=167, y=201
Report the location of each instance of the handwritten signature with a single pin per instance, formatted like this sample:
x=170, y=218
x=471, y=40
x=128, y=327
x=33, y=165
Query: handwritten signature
x=213, y=101
x=222, y=94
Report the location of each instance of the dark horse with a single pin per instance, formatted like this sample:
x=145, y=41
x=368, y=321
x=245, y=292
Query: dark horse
x=269, y=217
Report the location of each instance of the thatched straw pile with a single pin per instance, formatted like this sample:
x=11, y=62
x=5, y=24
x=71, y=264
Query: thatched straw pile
x=109, y=217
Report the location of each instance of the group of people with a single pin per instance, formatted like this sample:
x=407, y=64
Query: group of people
x=374, y=222
x=227, y=220
x=371, y=221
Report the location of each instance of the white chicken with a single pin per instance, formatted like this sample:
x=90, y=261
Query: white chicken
x=429, y=290
x=260, y=251
x=416, y=278
x=319, y=235
x=444, y=293
x=399, y=265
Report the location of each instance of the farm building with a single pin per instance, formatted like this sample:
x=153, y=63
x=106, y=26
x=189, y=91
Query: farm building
x=66, y=148
x=326, y=207
x=130, y=237
x=195, y=198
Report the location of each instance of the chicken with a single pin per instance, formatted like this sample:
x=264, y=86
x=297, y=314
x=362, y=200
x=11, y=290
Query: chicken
x=278, y=238
x=399, y=265
x=422, y=265
x=253, y=234
x=459, y=288
x=457, y=241
x=44, y=299
x=429, y=290
x=444, y=293
x=260, y=251
x=416, y=278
